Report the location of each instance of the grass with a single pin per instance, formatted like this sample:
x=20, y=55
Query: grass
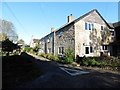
x=17, y=70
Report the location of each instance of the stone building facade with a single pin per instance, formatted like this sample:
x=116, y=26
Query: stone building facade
x=88, y=35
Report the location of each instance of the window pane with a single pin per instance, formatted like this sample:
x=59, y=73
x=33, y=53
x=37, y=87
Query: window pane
x=92, y=26
x=101, y=27
x=61, y=50
x=91, y=49
x=89, y=26
x=85, y=26
x=105, y=47
x=86, y=50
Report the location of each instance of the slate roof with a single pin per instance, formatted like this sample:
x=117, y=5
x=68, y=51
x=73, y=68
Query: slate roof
x=116, y=24
x=81, y=17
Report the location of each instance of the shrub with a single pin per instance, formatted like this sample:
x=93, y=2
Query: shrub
x=55, y=58
x=49, y=56
x=27, y=49
x=68, y=60
x=68, y=56
x=90, y=62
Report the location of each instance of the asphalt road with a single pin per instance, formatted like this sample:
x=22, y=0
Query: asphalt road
x=58, y=76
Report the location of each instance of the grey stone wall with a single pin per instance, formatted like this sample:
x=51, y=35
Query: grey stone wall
x=65, y=37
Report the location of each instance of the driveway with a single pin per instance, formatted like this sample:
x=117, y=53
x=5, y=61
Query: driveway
x=60, y=76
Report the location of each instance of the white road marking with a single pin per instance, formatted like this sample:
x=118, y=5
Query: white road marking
x=75, y=72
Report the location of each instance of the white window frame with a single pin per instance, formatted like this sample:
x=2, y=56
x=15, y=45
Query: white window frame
x=61, y=50
x=89, y=50
x=89, y=26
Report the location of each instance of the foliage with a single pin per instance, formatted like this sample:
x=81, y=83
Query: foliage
x=21, y=41
x=108, y=62
x=27, y=49
x=49, y=56
x=92, y=62
x=7, y=30
x=68, y=56
x=9, y=46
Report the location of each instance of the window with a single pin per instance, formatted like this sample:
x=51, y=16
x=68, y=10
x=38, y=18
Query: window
x=61, y=50
x=86, y=50
x=49, y=50
x=102, y=28
x=89, y=26
x=91, y=50
x=92, y=25
x=112, y=33
x=86, y=26
x=60, y=34
x=104, y=47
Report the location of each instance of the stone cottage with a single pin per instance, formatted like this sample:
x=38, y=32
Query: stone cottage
x=88, y=35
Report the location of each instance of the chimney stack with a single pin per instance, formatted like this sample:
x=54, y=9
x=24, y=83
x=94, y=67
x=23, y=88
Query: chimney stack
x=52, y=29
x=70, y=18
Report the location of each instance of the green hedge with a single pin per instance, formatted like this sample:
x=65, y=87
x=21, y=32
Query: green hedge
x=92, y=62
x=49, y=56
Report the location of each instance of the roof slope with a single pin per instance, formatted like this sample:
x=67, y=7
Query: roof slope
x=116, y=24
x=81, y=17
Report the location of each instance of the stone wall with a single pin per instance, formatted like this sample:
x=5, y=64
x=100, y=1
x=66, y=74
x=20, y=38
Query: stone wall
x=65, y=38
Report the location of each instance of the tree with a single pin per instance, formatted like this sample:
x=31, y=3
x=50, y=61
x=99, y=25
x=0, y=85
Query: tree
x=37, y=46
x=21, y=41
x=100, y=38
x=7, y=30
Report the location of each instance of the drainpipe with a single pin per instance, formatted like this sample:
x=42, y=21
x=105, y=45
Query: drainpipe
x=54, y=41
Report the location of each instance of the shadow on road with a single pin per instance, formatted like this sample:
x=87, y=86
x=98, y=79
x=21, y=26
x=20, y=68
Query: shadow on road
x=53, y=77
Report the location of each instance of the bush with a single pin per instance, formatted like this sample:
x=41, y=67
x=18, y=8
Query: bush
x=55, y=58
x=68, y=56
x=68, y=60
x=91, y=62
x=49, y=56
x=27, y=49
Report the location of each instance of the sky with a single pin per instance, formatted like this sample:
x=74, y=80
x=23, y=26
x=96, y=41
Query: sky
x=36, y=18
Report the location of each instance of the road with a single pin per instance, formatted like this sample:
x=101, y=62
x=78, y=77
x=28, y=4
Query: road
x=59, y=76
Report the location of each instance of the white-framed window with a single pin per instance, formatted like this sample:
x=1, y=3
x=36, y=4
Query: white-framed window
x=105, y=47
x=89, y=26
x=89, y=49
x=61, y=50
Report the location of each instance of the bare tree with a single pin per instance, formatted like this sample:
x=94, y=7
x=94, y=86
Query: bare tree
x=7, y=30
